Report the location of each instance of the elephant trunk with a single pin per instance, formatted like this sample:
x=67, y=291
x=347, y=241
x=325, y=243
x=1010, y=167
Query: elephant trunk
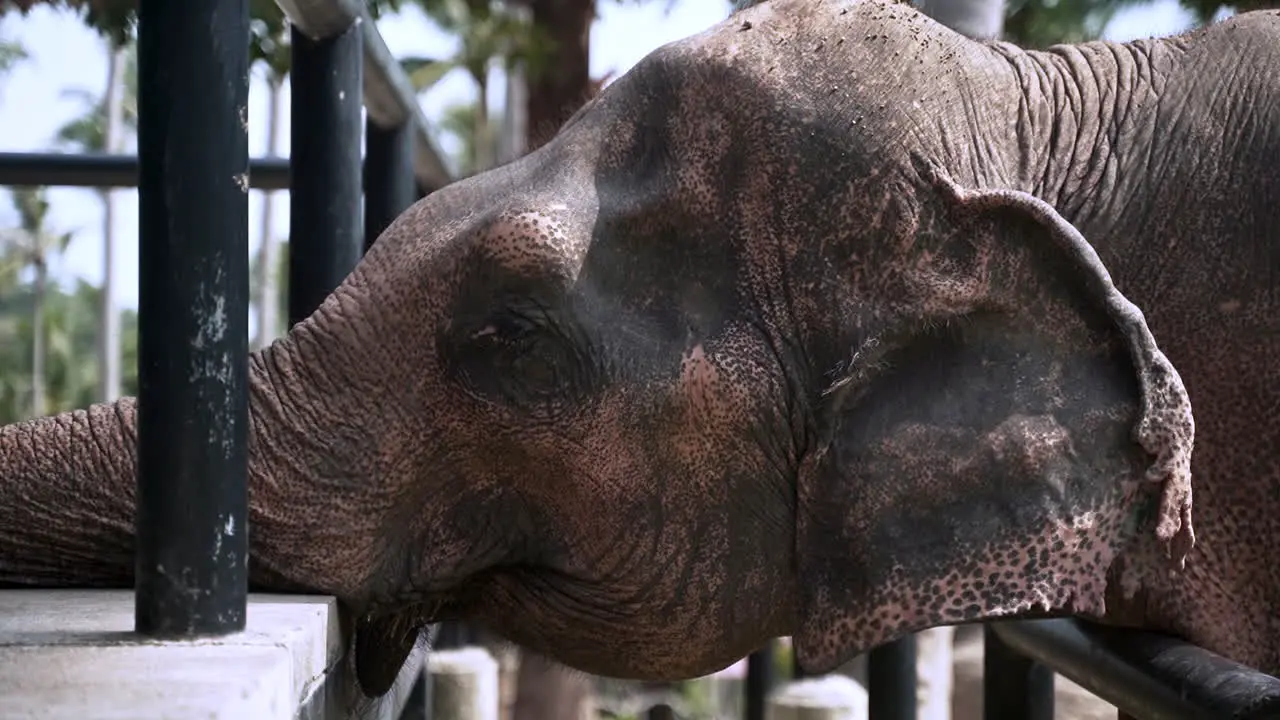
x=68, y=493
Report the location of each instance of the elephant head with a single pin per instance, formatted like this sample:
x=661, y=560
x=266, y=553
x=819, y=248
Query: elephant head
x=731, y=357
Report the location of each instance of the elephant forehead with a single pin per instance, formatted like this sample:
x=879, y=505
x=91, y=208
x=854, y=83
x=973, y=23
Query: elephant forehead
x=698, y=375
x=530, y=238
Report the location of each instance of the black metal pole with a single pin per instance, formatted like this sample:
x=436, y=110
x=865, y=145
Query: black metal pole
x=325, y=227
x=193, y=324
x=661, y=711
x=891, y=680
x=389, y=184
x=110, y=170
x=761, y=676
x=1014, y=687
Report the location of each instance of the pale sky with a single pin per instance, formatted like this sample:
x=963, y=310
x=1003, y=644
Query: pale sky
x=65, y=54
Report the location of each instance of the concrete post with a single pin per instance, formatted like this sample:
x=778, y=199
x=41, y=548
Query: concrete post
x=831, y=697
x=935, y=672
x=464, y=684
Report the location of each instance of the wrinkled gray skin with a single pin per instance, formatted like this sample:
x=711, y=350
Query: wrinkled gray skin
x=754, y=348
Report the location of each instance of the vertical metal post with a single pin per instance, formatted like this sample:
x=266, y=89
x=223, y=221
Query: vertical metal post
x=193, y=223
x=891, y=680
x=389, y=184
x=761, y=676
x=1014, y=687
x=325, y=228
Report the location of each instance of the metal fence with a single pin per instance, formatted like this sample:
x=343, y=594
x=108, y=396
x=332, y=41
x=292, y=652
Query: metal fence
x=193, y=173
x=193, y=176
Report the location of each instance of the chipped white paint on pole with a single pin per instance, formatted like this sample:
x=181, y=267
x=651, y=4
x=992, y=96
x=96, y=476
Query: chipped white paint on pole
x=211, y=309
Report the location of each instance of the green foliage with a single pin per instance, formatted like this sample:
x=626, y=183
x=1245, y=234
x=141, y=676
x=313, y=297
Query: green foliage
x=269, y=38
x=1041, y=23
x=70, y=321
x=282, y=284
x=1204, y=10
x=699, y=697
x=487, y=32
x=89, y=131
x=459, y=122
x=11, y=53
x=30, y=244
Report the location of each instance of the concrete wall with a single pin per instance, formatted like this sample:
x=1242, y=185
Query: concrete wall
x=72, y=654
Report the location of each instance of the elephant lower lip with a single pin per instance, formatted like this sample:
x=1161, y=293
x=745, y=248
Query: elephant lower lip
x=386, y=633
x=382, y=644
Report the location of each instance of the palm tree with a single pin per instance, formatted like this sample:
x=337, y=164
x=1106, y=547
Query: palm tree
x=11, y=53
x=31, y=246
x=487, y=32
x=102, y=128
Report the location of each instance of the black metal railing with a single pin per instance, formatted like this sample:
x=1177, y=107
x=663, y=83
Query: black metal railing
x=193, y=176
x=1146, y=675
x=324, y=185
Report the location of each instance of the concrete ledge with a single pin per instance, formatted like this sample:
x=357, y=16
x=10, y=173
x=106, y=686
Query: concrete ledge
x=72, y=653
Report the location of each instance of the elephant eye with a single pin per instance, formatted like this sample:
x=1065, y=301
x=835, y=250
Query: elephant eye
x=536, y=366
x=522, y=361
x=504, y=330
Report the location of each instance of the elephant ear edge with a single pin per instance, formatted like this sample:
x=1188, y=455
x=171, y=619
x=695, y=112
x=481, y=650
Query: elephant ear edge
x=1166, y=428
x=971, y=491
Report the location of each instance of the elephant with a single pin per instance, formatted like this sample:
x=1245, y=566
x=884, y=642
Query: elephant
x=826, y=322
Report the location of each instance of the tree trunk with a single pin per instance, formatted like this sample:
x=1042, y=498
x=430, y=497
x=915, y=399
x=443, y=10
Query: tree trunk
x=482, y=146
x=268, y=289
x=37, y=335
x=513, y=136
x=109, y=321
x=564, y=85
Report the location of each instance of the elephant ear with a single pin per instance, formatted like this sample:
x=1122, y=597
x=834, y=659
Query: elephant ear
x=996, y=456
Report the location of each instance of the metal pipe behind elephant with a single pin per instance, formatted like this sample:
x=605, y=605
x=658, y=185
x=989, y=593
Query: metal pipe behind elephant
x=1144, y=674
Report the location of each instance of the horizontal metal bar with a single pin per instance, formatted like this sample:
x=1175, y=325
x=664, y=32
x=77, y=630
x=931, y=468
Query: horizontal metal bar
x=1146, y=675
x=388, y=95
x=94, y=170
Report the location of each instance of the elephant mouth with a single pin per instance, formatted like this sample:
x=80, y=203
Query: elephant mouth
x=385, y=637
